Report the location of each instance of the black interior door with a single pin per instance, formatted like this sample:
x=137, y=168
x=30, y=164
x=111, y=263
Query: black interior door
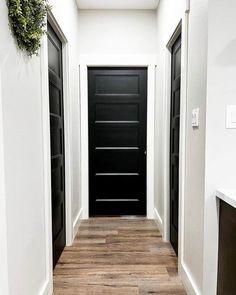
x=117, y=141
x=57, y=143
x=174, y=143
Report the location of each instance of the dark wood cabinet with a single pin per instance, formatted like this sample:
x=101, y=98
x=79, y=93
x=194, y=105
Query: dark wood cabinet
x=227, y=250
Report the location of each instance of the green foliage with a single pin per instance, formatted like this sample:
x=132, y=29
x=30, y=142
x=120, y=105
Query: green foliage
x=28, y=23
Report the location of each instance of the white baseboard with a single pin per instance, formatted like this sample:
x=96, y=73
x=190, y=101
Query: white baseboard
x=47, y=288
x=158, y=220
x=188, y=281
x=77, y=222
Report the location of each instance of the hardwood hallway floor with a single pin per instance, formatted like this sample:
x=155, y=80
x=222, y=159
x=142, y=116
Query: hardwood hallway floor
x=118, y=256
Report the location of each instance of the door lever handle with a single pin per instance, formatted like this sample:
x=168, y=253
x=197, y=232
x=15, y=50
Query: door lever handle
x=145, y=152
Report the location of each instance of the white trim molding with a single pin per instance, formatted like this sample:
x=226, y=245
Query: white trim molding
x=183, y=268
x=47, y=288
x=48, y=284
x=4, y=287
x=158, y=220
x=166, y=146
x=166, y=110
x=109, y=61
x=77, y=222
x=188, y=280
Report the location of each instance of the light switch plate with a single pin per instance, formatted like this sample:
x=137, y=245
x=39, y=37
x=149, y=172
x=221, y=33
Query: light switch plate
x=195, y=118
x=231, y=116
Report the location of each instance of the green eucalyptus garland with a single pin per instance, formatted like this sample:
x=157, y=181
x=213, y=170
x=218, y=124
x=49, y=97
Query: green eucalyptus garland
x=28, y=23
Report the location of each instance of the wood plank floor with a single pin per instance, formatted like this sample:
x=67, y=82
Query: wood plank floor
x=118, y=256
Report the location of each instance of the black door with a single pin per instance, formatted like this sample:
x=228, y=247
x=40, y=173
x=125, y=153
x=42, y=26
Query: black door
x=57, y=143
x=117, y=141
x=174, y=143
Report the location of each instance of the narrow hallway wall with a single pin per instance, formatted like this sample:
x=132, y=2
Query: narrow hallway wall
x=169, y=15
x=220, y=142
x=28, y=261
x=117, y=32
x=125, y=38
x=22, y=140
x=193, y=233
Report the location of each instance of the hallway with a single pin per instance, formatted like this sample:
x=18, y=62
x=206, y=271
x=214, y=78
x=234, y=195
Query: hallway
x=118, y=256
x=117, y=108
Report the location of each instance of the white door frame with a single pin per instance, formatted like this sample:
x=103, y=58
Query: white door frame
x=4, y=287
x=67, y=128
x=48, y=286
x=167, y=106
x=111, y=61
x=182, y=27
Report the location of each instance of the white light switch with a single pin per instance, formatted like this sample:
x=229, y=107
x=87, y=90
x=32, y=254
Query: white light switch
x=231, y=116
x=195, y=118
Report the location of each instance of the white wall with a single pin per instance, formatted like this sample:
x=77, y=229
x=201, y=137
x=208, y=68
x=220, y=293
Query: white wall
x=117, y=32
x=22, y=135
x=115, y=37
x=195, y=142
x=220, y=142
x=23, y=154
x=168, y=16
x=3, y=222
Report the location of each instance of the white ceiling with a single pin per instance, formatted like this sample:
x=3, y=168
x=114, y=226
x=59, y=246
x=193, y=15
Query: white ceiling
x=117, y=4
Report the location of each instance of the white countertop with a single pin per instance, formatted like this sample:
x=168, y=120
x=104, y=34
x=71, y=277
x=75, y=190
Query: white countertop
x=227, y=195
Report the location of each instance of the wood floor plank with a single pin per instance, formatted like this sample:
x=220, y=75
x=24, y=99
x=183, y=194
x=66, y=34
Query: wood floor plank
x=118, y=256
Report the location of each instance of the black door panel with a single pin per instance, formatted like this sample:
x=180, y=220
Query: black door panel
x=57, y=143
x=117, y=112
x=174, y=143
x=117, y=141
x=118, y=161
x=116, y=135
x=119, y=187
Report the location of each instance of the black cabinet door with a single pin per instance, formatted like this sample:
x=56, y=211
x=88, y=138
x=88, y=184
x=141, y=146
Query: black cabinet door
x=117, y=141
x=57, y=143
x=227, y=250
x=174, y=143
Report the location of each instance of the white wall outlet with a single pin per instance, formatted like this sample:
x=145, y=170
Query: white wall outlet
x=231, y=116
x=195, y=118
